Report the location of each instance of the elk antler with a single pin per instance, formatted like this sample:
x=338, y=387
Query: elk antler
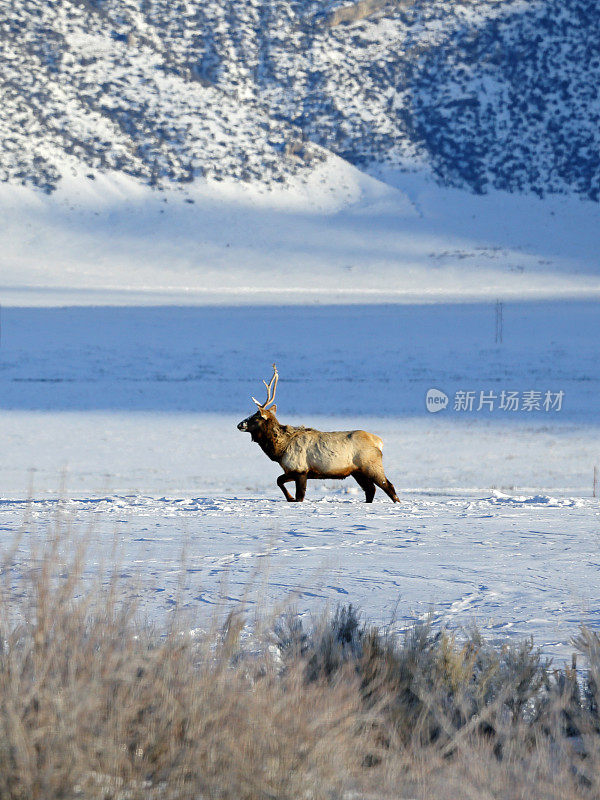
x=271, y=385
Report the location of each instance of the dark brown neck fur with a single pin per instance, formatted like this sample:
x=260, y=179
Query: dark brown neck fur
x=274, y=438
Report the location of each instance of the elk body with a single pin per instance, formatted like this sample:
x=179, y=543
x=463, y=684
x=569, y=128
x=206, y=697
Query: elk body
x=305, y=453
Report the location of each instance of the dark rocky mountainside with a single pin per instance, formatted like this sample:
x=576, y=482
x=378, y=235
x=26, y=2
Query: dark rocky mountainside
x=491, y=94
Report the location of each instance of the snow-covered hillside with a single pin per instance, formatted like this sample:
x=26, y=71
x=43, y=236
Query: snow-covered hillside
x=335, y=236
x=498, y=94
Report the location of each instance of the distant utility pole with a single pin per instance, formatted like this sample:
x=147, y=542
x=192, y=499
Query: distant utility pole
x=499, y=321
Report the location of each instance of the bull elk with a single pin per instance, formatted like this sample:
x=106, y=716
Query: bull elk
x=305, y=453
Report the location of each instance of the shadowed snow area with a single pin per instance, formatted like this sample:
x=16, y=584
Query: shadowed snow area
x=337, y=360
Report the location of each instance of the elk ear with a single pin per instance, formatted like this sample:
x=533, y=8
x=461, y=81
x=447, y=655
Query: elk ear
x=273, y=409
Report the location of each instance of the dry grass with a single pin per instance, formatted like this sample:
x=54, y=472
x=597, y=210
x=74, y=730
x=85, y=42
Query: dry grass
x=95, y=705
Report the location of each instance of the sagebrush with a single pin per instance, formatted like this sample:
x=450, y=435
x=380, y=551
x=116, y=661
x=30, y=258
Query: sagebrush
x=95, y=704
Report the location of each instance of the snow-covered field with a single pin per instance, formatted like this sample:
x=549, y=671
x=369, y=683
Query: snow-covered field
x=128, y=414
x=522, y=565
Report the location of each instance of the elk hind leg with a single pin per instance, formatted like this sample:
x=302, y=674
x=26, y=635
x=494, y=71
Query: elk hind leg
x=377, y=475
x=388, y=488
x=366, y=484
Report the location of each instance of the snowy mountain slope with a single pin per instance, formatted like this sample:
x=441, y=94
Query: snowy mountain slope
x=78, y=90
x=502, y=93
x=335, y=235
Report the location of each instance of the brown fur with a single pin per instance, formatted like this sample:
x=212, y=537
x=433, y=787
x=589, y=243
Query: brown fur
x=308, y=453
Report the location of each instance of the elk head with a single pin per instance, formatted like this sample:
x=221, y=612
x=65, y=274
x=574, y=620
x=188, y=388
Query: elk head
x=258, y=421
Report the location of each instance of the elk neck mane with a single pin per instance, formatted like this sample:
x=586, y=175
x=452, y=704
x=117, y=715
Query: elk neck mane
x=274, y=438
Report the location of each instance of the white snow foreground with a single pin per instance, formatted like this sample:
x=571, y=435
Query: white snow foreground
x=521, y=567
x=334, y=236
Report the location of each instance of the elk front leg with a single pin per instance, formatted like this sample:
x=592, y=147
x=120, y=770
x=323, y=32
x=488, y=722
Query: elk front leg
x=283, y=479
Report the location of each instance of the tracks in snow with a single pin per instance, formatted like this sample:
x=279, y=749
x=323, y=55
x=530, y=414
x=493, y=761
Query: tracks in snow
x=516, y=565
